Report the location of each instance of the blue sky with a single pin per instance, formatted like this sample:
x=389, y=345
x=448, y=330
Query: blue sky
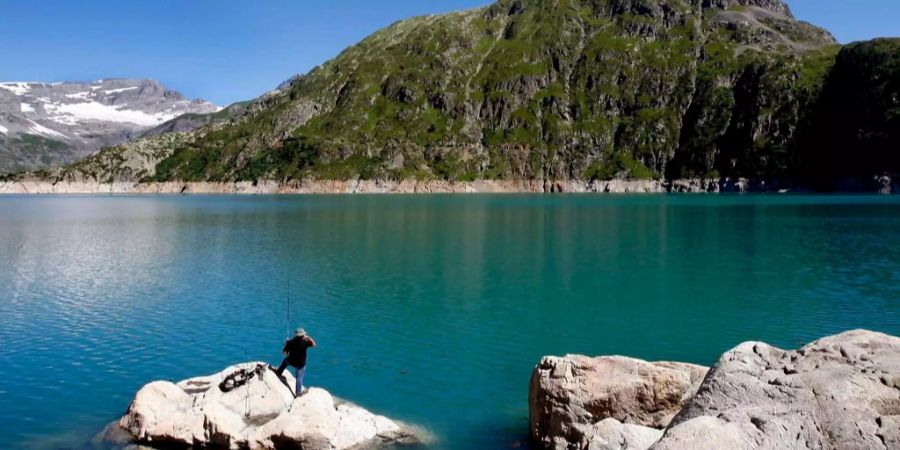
x=230, y=50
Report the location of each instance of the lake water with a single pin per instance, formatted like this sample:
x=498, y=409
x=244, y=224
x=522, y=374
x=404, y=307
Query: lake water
x=430, y=309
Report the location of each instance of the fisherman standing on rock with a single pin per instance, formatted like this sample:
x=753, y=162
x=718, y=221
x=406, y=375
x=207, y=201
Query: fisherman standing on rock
x=295, y=356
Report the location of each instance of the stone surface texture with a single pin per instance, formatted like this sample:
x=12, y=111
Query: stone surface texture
x=570, y=397
x=840, y=392
x=261, y=414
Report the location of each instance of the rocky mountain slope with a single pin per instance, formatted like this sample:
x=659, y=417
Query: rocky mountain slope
x=46, y=124
x=580, y=90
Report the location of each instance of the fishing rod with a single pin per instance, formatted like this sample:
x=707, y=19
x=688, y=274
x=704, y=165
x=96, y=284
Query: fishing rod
x=287, y=324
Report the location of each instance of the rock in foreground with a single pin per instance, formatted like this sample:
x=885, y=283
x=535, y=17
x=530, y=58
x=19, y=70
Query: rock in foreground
x=838, y=392
x=255, y=410
x=571, y=396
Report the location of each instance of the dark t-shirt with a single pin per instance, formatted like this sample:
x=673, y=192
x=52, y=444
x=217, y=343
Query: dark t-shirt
x=296, y=350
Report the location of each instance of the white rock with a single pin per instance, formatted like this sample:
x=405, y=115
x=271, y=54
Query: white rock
x=261, y=414
x=610, y=434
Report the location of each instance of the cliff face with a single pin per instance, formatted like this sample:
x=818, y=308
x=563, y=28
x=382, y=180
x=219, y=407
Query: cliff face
x=854, y=130
x=772, y=5
x=539, y=89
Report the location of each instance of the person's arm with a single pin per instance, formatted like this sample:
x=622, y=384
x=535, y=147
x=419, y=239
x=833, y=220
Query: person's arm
x=284, y=351
x=312, y=342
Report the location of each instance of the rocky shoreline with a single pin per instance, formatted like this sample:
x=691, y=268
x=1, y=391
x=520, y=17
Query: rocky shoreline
x=883, y=185
x=379, y=187
x=841, y=391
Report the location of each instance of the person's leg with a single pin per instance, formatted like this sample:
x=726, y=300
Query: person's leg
x=298, y=389
x=280, y=369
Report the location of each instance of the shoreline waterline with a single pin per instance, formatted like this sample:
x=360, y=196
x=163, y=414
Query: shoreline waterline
x=388, y=187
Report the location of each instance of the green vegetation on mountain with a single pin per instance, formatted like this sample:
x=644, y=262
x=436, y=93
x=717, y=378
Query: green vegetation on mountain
x=563, y=89
x=132, y=161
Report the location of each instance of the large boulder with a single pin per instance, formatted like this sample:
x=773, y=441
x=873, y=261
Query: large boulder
x=570, y=398
x=838, y=392
x=249, y=406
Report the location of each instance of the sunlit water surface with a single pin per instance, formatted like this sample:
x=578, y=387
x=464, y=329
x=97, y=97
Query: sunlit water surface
x=430, y=309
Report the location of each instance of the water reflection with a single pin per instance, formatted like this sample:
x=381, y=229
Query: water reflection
x=431, y=308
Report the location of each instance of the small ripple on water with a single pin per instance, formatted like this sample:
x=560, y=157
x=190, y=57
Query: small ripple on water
x=431, y=310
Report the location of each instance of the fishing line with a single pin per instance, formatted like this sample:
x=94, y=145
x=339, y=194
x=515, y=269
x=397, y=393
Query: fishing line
x=287, y=325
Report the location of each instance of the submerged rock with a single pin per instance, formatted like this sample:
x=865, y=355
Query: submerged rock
x=838, y=392
x=249, y=406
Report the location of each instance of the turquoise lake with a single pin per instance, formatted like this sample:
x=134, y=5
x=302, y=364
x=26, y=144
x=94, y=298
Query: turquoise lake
x=429, y=309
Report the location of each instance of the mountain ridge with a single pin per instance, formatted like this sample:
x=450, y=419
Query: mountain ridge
x=529, y=89
x=45, y=124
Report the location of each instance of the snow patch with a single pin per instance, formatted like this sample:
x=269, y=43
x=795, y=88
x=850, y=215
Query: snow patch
x=75, y=112
x=64, y=119
x=4, y=130
x=44, y=131
x=79, y=95
x=114, y=91
x=16, y=87
x=26, y=108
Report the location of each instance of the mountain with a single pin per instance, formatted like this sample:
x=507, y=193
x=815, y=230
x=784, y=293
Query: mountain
x=192, y=121
x=46, y=124
x=560, y=90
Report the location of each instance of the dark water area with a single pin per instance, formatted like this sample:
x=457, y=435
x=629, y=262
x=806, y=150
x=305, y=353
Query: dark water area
x=428, y=309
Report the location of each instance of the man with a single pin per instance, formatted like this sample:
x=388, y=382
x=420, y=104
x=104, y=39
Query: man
x=295, y=356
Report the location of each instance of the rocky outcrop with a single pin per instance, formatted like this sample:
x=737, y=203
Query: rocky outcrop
x=248, y=406
x=571, y=396
x=778, y=6
x=838, y=392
